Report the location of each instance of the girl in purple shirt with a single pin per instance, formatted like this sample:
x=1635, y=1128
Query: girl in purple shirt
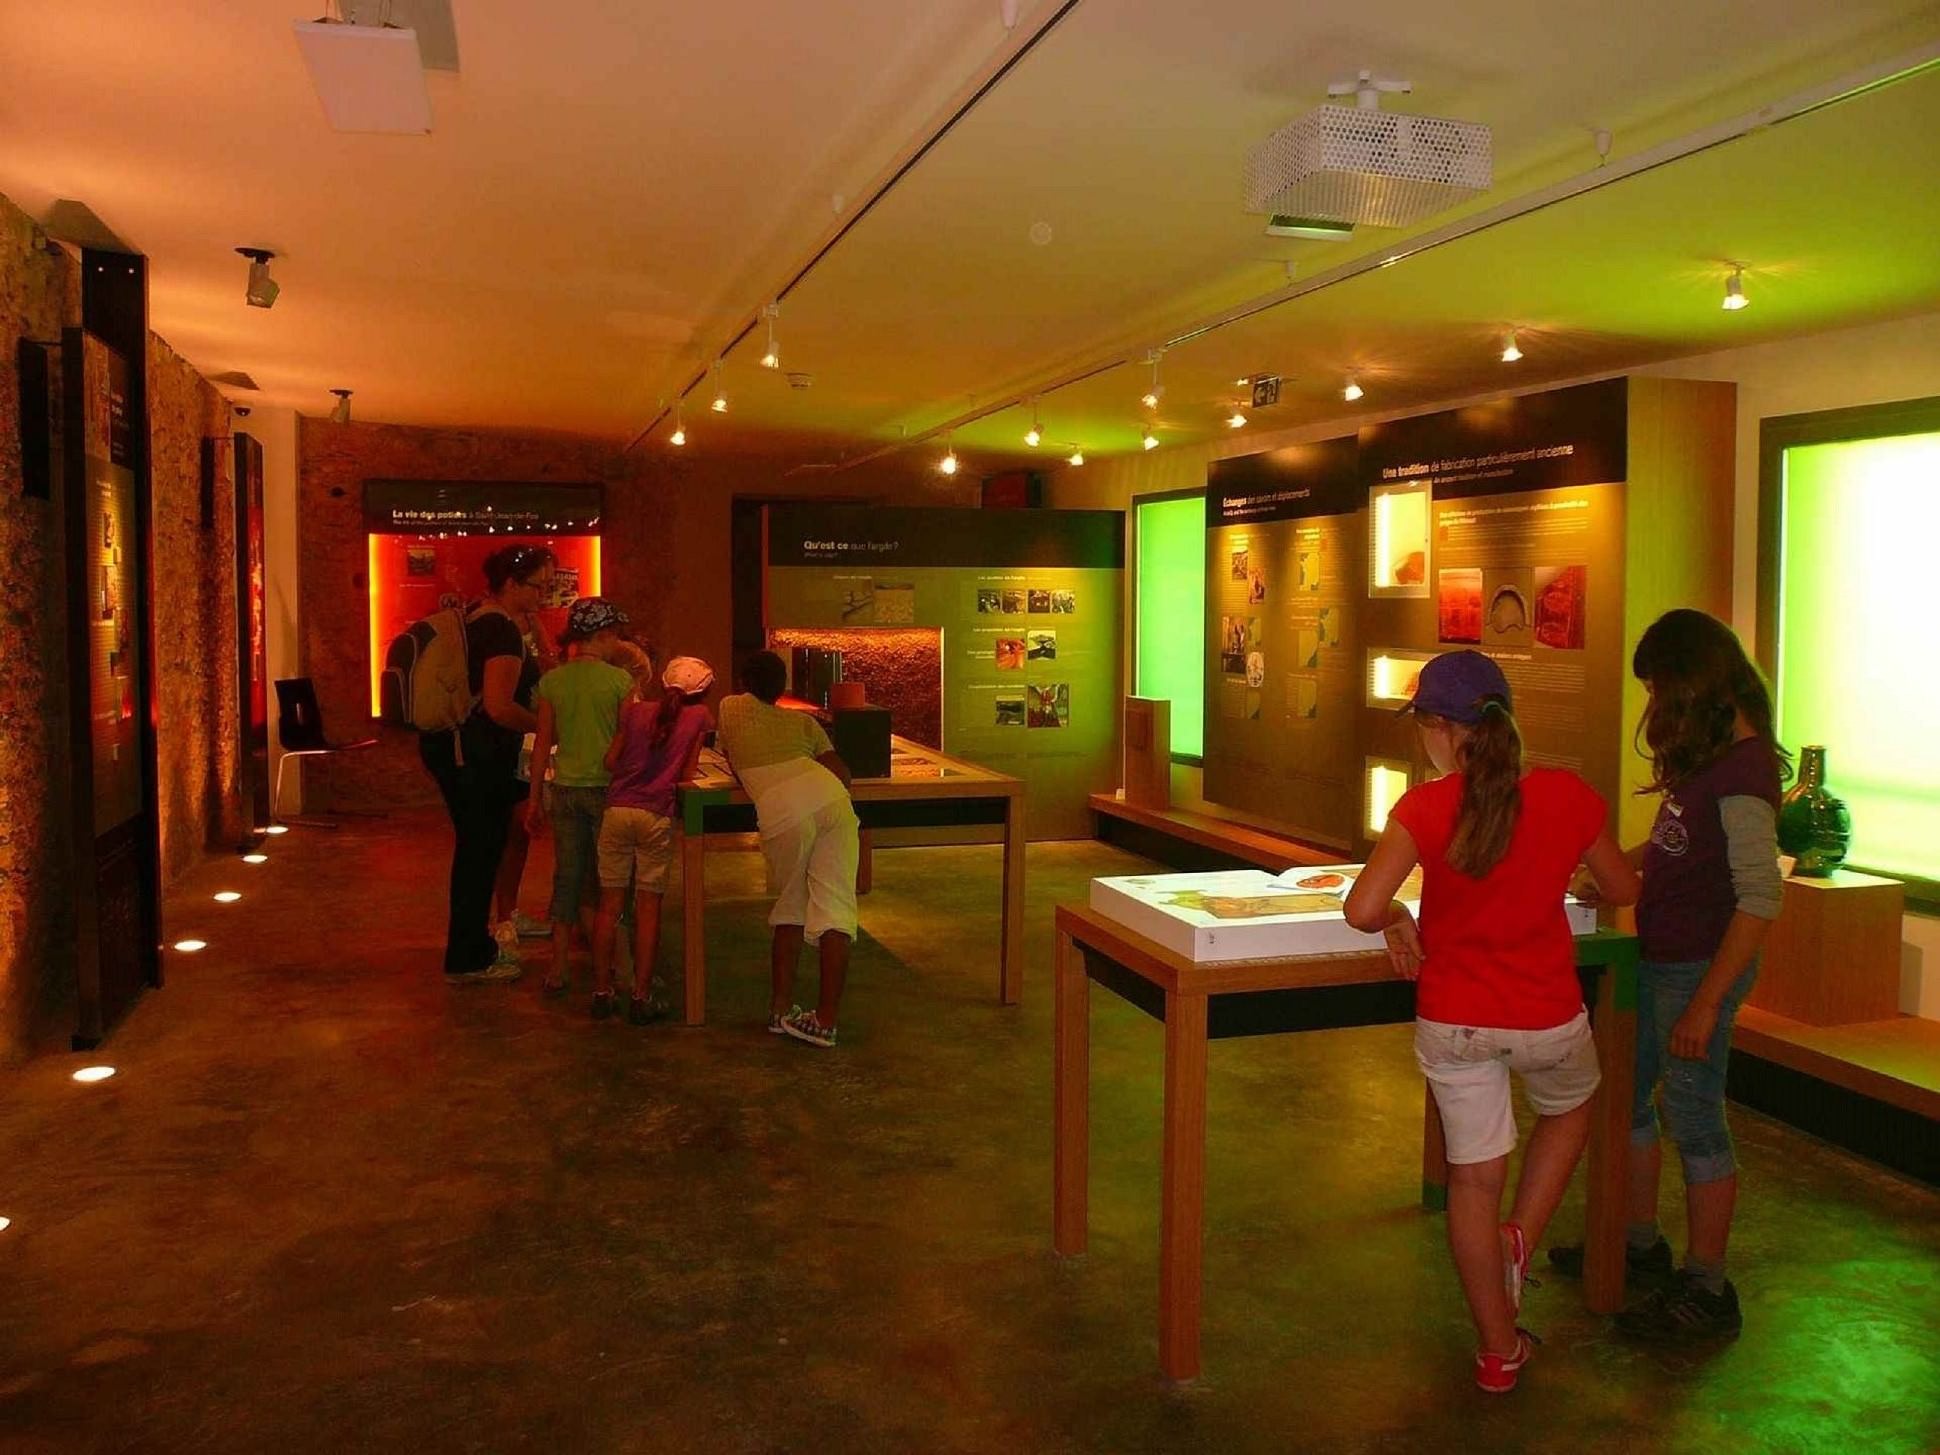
x=656, y=747
x=1711, y=889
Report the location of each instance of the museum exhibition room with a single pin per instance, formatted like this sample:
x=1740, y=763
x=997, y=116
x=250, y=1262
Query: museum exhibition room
x=987, y=725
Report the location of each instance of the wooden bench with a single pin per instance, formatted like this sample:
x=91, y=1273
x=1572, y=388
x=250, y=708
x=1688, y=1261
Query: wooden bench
x=1186, y=840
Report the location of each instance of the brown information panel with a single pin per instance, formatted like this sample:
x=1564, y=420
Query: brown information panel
x=110, y=548
x=1335, y=570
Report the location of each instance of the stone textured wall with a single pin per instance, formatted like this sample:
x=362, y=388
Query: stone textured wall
x=37, y=282
x=194, y=624
x=334, y=460
x=194, y=604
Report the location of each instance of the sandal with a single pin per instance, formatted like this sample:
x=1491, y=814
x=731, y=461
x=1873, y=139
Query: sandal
x=553, y=989
x=605, y=1003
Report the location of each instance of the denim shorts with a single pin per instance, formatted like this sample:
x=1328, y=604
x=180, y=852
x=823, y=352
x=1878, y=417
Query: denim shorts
x=1693, y=1089
x=575, y=815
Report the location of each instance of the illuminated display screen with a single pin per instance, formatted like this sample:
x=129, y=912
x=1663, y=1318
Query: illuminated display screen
x=1171, y=568
x=412, y=576
x=1855, y=640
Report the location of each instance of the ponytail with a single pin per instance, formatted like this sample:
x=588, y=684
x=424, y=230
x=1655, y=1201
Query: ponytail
x=665, y=716
x=1491, y=764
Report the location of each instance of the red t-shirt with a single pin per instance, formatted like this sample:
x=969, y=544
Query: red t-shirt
x=1498, y=949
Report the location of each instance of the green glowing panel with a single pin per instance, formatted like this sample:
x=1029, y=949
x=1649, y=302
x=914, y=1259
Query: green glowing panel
x=1859, y=634
x=1171, y=566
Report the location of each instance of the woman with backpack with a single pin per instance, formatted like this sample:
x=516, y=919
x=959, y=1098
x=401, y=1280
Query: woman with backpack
x=476, y=765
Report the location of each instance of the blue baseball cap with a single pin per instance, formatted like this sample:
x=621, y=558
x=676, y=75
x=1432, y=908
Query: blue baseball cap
x=1455, y=685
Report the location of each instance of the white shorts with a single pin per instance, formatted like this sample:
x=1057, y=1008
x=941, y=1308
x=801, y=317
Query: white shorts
x=811, y=871
x=1468, y=1070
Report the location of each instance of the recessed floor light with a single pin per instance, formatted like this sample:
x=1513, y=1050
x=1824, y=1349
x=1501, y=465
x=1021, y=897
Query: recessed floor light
x=255, y=858
x=94, y=1073
x=189, y=947
x=277, y=828
x=227, y=896
x=5, y=1223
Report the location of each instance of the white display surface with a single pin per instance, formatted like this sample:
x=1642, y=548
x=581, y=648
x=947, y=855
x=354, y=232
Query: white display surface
x=1249, y=914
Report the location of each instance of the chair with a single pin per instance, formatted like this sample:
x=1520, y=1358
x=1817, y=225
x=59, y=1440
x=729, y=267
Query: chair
x=299, y=728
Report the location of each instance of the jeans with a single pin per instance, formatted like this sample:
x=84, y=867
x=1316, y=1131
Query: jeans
x=1693, y=1089
x=575, y=814
x=479, y=794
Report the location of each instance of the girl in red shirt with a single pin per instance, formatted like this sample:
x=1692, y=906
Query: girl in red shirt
x=1495, y=965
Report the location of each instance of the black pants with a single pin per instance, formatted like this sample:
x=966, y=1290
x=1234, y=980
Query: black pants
x=480, y=795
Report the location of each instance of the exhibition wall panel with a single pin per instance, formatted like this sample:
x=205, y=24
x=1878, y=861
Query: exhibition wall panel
x=1028, y=605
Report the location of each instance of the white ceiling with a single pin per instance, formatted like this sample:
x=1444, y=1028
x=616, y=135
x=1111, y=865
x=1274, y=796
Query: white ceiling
x=612, y=189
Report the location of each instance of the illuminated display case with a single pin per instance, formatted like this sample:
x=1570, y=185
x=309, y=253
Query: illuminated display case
x=1249, y=914
x=428, y=542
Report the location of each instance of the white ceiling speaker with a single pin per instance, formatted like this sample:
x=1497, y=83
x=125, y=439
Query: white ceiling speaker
x=369, y=77
x=1359, y=164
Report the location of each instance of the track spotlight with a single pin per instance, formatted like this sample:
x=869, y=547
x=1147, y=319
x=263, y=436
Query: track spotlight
x=679, y=436
x=1149, y=440
x=1155, y=391
x=1510, y=352
x=262, y=289
x=948, y=464
x=1352, y=392
x=719, y=406
x=1034, y=436
x=772, y=358
x=1242, y=383
x=341, y=414
x=1237, y=419
x=1077, y=455
x=1734, y=291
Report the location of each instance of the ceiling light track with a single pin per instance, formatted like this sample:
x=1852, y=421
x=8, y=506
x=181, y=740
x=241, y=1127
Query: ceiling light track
x=1906, y=66
x=1018, y=44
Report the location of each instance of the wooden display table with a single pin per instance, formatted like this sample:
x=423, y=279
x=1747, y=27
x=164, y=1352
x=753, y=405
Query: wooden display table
x=1203, y=1002
x=1833, y=956
x=925, y=788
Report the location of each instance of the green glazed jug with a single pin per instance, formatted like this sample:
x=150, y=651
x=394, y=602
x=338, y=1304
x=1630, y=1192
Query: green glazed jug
x=1813, y=824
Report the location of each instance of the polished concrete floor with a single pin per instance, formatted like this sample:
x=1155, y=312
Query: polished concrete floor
x=331, y=1204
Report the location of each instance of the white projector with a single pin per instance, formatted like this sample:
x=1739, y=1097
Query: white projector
x=1357, y=164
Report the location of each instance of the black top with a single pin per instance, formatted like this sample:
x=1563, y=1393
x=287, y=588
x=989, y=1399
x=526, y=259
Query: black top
x=488, y=635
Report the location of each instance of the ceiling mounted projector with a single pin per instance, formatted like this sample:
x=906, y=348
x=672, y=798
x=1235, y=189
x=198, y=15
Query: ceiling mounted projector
x=369, y=77
x=1364, y=166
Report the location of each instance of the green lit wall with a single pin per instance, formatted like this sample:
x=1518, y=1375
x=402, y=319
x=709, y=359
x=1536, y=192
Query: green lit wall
x=1171, y=586
x=1858, y=637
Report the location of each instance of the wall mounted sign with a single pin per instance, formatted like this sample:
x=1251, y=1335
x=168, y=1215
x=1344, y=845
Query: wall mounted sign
x=481, y=507
x=1528, y=442
x=1321, y=478
x=813, y=534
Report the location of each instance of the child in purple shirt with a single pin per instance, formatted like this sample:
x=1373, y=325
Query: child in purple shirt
x=656, y=747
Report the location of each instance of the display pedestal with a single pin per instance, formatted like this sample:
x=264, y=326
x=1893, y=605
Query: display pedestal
x=1833, y=957
x=1148, y=752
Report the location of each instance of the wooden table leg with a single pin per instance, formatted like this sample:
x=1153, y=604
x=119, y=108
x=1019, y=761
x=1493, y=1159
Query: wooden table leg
x=1182, y=1206
x=1071, y=1100
x=865, y=863
x=1616, y=1049
x=1010, y=985
x=693, y=900
x=1434, y=1156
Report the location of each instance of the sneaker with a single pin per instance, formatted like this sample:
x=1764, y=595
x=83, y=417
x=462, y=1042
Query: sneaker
x=803, y=1026
x=1515, y=1265
x=525, y=927
x=605, y=1004
x=639, y=1012
x=497, y=972
x=778, y=1024
x=1644, y=1268
x=1685, y=1313
x=1496, y=1373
